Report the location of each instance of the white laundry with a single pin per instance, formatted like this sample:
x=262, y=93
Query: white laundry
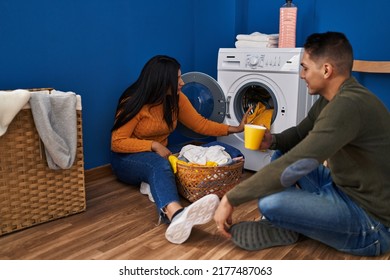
x=258, y=37
x=202, y=155
x=11, y=102
x=257, y=40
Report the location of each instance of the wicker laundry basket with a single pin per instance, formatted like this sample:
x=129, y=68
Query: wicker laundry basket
x=30, y=192
x=194, y=182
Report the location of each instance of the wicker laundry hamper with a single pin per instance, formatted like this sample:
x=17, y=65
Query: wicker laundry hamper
x=194, y=182
x=30, y=192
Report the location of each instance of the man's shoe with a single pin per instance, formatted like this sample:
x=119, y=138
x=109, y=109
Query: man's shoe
x=198, y=213
x=253, y=236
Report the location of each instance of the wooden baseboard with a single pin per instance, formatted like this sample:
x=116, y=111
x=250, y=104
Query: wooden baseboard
x=97, y=173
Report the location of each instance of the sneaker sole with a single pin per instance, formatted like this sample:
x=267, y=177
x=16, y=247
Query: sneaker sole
x=198, y=213
x=254, y=236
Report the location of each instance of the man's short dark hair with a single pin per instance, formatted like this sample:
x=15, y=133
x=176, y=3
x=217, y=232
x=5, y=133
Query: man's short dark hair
x=332, y=46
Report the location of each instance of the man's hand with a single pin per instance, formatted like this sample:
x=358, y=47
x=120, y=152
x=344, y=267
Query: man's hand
x=223, y=217
x=267, y=140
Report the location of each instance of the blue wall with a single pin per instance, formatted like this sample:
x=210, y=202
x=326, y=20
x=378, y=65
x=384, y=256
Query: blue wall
x=365, y=23
x=96, y=48
x=367, y=26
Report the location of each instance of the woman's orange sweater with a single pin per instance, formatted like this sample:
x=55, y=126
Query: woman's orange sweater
x=149, y=125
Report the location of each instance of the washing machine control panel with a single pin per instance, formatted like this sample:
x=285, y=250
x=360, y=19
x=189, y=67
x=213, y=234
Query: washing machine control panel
x=272, y=62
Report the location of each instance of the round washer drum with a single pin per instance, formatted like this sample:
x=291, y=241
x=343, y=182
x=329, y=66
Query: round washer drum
x=206, y=96
x=249, y=95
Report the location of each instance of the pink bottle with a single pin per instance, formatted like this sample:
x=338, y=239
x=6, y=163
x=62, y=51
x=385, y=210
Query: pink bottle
x=287, y=25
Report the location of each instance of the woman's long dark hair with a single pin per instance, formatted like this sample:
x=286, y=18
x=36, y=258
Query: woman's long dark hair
x=157, y=84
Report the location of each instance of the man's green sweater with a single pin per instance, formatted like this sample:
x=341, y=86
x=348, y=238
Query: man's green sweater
x=351, y=132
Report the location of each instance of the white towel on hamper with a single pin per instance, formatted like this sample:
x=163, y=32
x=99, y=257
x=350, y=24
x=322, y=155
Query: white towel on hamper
x=11, y=102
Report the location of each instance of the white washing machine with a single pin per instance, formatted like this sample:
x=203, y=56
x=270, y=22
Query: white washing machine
x=246, y=77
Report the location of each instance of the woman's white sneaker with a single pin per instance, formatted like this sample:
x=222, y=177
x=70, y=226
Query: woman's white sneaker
x=198, y=213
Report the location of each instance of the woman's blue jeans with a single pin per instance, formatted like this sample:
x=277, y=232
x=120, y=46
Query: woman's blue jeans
x=151, y=168
x=320, y=210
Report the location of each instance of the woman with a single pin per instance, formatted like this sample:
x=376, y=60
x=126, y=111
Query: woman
x=147, y=112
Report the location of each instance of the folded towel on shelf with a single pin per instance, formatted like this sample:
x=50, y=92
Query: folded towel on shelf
x=258, y=37
x=55, y=118
x=257, y=40
x=11, y=102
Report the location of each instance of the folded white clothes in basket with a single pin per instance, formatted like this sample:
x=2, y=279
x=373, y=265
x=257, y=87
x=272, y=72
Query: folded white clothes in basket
x=202, y=155
x=11, y=102
x=55, y=118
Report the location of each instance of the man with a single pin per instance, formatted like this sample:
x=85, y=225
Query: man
x=345, y=205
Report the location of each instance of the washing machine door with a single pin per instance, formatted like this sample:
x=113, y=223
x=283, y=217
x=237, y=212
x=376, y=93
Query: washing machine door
x=206, y=96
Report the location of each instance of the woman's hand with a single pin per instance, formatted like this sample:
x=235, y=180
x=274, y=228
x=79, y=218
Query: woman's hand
x=240, y=128
x=223, y=217
x=161, y=149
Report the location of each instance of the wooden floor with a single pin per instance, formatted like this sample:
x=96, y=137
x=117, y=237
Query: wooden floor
x=120, y=223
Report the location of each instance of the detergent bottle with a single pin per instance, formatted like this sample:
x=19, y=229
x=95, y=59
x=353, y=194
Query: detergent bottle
x=288, y=25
